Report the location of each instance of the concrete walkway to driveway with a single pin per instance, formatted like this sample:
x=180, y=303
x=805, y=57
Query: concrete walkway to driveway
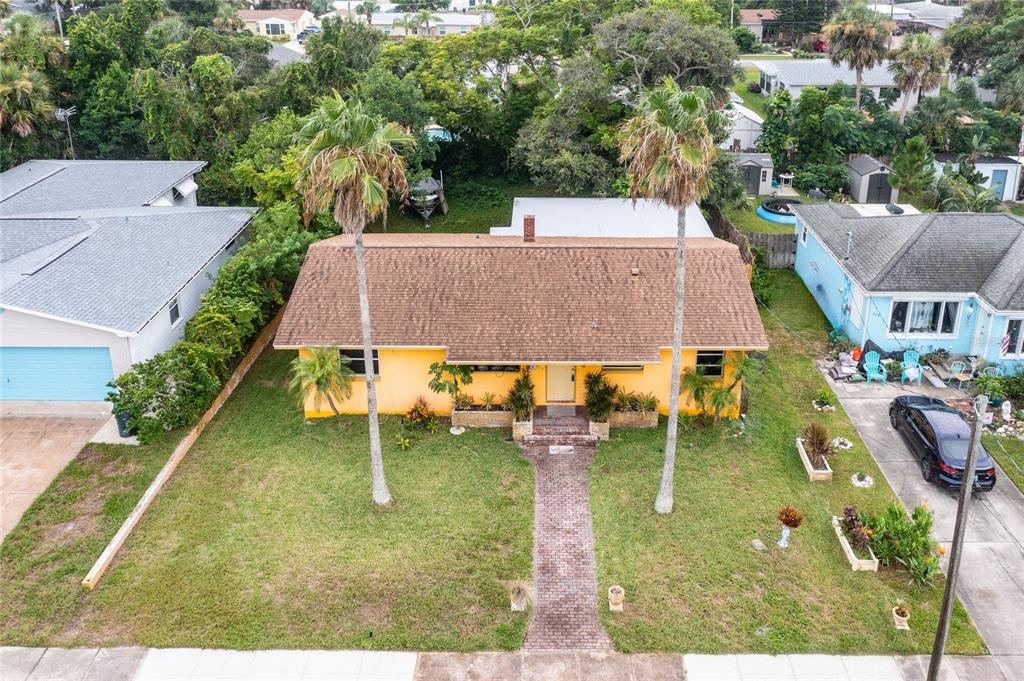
x=33, y=450
x=991, y=583
x=190, y=664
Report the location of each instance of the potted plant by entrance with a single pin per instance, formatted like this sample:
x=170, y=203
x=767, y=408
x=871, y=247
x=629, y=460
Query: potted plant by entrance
x=520, y=401
x=599, y=401
x=790, y=519
x=616, y=597
x=814, y=448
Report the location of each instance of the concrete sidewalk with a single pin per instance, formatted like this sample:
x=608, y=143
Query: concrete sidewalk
x=190, y=664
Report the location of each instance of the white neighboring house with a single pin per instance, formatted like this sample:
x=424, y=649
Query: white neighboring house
x=796, y=74
x=1002, y=173
x=101, y=265
x=744, y=127
x=761, y=22
x=448, y=23
x=287, y=23
x=601, y=218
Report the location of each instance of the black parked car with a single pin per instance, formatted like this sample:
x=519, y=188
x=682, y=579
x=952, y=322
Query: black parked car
x=938, y=435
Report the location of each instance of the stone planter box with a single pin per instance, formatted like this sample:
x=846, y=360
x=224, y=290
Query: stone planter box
x=482, y=419
x=633, y=419
x=856, y=564
x=813, y=473
x=521, y=429
x=600, y=429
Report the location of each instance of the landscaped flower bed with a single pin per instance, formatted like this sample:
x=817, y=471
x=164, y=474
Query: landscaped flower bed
x=475, y=418
x=633, y=419
x=814, y=449
x=863, y=558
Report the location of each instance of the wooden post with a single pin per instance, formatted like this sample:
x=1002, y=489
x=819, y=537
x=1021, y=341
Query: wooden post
x=107, y=557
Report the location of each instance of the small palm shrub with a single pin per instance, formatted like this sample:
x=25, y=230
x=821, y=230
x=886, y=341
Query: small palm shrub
x=462, y=401
x=490, y=402
x=600, y=396
x=817, y=444
x=899, y=540
x=825, y=398
x=520, y=400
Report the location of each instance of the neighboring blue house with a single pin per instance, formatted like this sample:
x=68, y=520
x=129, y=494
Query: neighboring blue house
x=912, y=281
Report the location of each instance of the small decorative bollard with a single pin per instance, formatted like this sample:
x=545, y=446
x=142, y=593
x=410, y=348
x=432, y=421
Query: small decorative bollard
x=520, y=598
x=616, y=597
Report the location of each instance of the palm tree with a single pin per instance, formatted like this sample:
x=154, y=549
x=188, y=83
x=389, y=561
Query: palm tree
x=24, y=100
x=405, y=22
x=668, y=148
x=367, y=8
x=324, y=374
x=30, y=42
x=857, y=37
x=918, y=65
x=226, y=18
x=424, y=16
x=1011, y=99
x=351, y=163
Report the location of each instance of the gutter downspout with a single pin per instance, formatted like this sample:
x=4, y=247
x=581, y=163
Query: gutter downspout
x=864, y=321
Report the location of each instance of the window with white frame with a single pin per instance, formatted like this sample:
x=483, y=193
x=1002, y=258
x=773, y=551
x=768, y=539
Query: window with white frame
x=924, y=317
x=713, y=363
x=1013, y=339
x=357, y=364
x=174, y=312
x=275, y=29
x=803, y=234
x=764, y=175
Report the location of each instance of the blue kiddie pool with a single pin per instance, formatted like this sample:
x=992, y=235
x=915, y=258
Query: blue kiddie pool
x=777, y=210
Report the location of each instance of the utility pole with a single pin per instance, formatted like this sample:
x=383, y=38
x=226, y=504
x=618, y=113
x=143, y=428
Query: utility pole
x=732, y=11
x=966, y=489
x=60, y=24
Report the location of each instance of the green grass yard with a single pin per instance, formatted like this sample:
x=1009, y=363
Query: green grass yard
x=692, y=579
x=1009, y=452
x=266, y=537
x=752, y=100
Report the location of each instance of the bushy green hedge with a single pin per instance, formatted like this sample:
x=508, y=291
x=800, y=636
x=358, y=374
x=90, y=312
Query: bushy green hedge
x=172, y=389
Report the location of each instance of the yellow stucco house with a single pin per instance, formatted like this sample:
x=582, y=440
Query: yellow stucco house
x=560, y=307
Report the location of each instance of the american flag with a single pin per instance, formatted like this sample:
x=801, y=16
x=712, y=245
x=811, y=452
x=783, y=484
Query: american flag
x=1004, y=345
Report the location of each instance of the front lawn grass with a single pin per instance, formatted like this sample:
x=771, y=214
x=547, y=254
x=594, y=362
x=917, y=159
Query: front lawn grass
x=693, y=581
x=746, y=219
x=266, y=537
x=752, y=100
x=1009, y=452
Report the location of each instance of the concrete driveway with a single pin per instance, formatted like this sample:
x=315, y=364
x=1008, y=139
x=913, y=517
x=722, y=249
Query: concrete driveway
x=991, y=583
x=33, y=450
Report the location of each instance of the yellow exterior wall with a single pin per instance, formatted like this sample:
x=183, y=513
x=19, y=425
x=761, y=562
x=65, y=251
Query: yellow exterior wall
x=405, y=373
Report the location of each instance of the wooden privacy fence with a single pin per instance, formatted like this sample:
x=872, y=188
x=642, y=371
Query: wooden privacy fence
x=107, y=557
x=779, y=249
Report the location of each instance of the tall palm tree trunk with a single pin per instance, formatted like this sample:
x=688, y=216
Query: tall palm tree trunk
x=906, y=102
x=663, y=503
x=381, y=495
x=860, y=78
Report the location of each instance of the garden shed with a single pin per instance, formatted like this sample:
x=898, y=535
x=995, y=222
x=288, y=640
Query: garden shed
x=756, y=170
x=869, y=180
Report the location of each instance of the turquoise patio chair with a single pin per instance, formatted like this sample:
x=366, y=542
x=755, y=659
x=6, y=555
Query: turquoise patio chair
x=991, y=371
x=873, y=369
x=911, y=360
x=958, y=373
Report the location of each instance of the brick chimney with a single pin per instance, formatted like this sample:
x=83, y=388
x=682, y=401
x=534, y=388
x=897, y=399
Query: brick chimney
x=529, y=228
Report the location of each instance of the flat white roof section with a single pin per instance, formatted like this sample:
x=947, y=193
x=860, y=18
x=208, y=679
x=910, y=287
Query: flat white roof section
x=586, y=217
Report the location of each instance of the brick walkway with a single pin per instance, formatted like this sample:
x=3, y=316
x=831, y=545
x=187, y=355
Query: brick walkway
x=564, y=576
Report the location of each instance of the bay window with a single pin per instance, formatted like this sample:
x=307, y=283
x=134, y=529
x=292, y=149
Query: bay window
x=926, y=317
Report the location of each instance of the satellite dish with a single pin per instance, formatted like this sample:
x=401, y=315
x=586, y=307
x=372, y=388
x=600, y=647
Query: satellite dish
x=817, y=194
x=893, y=209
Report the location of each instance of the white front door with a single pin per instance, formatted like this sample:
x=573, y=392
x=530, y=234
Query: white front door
x=981, y=328
x=561, y=383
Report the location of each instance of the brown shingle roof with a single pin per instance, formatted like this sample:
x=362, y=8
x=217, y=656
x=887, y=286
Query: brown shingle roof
x=757, y=16
x=261, y=14
x=494, y=299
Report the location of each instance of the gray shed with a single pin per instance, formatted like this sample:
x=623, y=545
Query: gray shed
x=869, y=180
x=756, y=172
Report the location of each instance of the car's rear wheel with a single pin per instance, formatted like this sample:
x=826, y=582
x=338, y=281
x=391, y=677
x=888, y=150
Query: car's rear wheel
x=892, y=418
x=927, y=471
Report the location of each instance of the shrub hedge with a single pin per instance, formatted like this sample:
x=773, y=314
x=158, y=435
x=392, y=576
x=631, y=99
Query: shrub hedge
x=172, y=389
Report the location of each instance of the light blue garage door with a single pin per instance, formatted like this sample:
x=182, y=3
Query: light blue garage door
x=78, y=374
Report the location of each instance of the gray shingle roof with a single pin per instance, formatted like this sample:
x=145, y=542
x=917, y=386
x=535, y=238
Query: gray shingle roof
x=943, y=157
x=113, y=269
x=864, y=164
x=821, y=72
x=754, y=158
x=979, y=253
x=48, y=186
